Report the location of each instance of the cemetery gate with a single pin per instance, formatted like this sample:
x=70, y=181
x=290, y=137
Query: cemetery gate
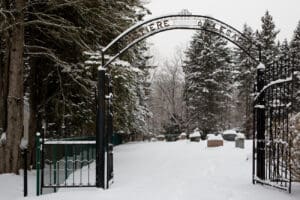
x=273, y=106
x=272, y=109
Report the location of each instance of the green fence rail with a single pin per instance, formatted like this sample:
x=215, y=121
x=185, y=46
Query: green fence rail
x=65, y=162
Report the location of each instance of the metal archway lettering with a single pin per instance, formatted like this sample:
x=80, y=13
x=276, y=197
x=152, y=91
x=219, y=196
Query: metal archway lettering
x=183, y=21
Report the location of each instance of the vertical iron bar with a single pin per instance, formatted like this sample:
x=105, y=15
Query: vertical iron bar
x=73, y=164
x=100, y=127
x=54, y=166
x=24, y=152
x=88, y=159
x=58, y=171
x=38, y=163
x=290, y=110
x=81, y=163
x=66, y=163
x=43, y=161
x=260, y=165
x=109, y=132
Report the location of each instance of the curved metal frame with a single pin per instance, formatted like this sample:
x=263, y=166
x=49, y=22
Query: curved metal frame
x=144, y=30
x=182, y=27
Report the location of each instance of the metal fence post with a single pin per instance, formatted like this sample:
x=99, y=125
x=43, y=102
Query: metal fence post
x=261, y=117
x=25, y=190
x=109, y=132
x=38, y=162
x=100, y=128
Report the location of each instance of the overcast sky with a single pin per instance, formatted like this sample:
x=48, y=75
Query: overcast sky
x=286, y=14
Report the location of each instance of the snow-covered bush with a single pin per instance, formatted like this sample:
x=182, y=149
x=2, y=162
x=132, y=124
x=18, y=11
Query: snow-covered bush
x=240, y=136
x=182, y=136
x=196, y=133
x=229, y=135
x=195, y=136
x=295, y=150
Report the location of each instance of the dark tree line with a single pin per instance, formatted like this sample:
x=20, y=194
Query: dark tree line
x=42, y=45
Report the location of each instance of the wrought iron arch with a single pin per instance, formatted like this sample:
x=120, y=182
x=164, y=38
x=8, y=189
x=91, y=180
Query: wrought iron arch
x=185, y=21
x=127, y=39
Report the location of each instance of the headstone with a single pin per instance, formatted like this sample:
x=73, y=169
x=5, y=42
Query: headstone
x=214, y=140
x=240, y=141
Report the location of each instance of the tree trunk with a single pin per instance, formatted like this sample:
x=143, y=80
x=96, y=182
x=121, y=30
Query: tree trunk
x=15, y=92
x=4, y=65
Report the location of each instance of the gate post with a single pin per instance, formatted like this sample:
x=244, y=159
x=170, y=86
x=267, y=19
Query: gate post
x=109, y=132
x=261, y=118
x=100, y=130
x=38, y=163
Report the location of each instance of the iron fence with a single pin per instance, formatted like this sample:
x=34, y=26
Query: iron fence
x=68, y=162
x=272, y=111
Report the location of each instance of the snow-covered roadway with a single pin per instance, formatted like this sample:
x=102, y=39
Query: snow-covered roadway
x=178, y=171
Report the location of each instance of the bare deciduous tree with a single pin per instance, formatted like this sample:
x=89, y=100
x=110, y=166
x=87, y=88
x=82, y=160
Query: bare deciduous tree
x=166, y=100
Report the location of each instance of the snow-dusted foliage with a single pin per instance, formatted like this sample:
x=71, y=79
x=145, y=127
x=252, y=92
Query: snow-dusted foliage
x=295, y=50
x=208, y=81
x=130, y=85
x=266, y=37
x=295, y=150
x=245, y=70
x=61, y=87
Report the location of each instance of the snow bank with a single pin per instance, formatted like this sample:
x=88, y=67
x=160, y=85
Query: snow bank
x=149, y=171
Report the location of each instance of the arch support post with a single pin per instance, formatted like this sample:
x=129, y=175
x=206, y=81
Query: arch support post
x=100, y=130
x=260, y=126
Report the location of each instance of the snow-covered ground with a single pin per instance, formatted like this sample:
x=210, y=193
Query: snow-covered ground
x=162, y=171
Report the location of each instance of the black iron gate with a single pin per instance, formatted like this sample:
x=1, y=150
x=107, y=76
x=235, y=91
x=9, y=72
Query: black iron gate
x=272, y=111
x=104, y=156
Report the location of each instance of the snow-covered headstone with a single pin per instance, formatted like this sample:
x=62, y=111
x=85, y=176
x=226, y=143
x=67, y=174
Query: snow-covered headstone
x=182, y=136
x=195, y=136
x=229, y=135
x=240, y=140
x=214, y=140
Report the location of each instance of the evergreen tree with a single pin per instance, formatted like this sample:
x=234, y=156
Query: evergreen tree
x=267, y=38
x=207, y=81
x=245, y=79
x=295, y=51
x=59, y=85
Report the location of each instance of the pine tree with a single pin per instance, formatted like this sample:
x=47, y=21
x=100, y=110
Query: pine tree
x=267, y=38
x=295, y=51
x=207, y=81
x=60, y=87
x=245, y=79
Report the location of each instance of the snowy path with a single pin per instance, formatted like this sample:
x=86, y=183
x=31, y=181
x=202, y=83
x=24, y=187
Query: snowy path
x=179, y=171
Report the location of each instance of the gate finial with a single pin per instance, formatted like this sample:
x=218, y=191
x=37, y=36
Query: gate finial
x=185, y=12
